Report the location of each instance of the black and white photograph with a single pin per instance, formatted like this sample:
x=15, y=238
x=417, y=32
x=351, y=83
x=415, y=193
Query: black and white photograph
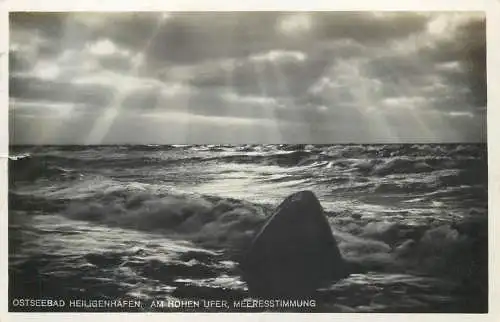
x=248, y=161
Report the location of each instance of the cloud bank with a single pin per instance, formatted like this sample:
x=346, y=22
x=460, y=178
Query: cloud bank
x=247, y=77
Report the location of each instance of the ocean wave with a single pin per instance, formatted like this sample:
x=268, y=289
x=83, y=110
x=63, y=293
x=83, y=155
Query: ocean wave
x=229, y=225
x=379, y=166
x=209, y=221
x=120, y=218
x=456, y=251
x=30, y=168
x=20, y=156
x=365, y=160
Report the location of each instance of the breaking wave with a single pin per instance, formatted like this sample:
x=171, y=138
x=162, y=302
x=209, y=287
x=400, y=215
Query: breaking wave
x=229, y=225
x=401, y=214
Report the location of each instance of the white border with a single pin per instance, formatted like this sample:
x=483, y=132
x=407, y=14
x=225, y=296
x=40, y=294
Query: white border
x=252, y=5
x=492, y=8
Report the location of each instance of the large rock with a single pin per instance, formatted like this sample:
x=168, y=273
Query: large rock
x=295, y=252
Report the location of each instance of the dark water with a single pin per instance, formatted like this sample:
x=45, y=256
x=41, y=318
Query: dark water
x=170, y=222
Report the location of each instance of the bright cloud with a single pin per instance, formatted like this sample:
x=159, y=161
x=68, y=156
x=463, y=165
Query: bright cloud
x=102, y=47
x=279, y=55
x=295, y=24
x=320, y=76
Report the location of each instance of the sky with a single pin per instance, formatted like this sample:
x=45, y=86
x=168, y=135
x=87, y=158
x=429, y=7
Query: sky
x=247, y=77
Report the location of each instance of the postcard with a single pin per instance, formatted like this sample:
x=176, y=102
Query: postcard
x=248, y=162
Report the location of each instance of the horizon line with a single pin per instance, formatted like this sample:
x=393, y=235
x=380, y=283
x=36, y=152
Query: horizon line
x=233, y=144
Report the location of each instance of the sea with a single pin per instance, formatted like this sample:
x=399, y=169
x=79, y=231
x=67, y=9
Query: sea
x=172, y=222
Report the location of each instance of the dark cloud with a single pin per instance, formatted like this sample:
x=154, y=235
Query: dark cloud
x=202, y=103
x=468, y=46
x=451, y=72
x=368, y=28
x=191, y=37
x=254, y=77
x=395, y=70
x=19, y=62
x=188, y=37
x=143, y=99
x=275, y=73
x=28, y=88
x=55, y=31
x=343, y=76
x=51, y=25
x=115, y=63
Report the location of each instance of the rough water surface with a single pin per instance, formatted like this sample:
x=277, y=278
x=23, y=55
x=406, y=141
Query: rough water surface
x=171, y=222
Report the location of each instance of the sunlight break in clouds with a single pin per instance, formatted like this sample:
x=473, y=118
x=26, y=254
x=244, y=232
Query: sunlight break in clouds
x=106, y=119
x=47, y=71
x=295, y=24
x=103, y=47
x=330, y=76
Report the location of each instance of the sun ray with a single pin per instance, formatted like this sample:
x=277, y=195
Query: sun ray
x=229, y=70
x=415, y=115
x=274, y=132
x=285, y=89
x=50, y=133
x=364, y=92
x=367, y=103
x=269, y=113
x=104, y=122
